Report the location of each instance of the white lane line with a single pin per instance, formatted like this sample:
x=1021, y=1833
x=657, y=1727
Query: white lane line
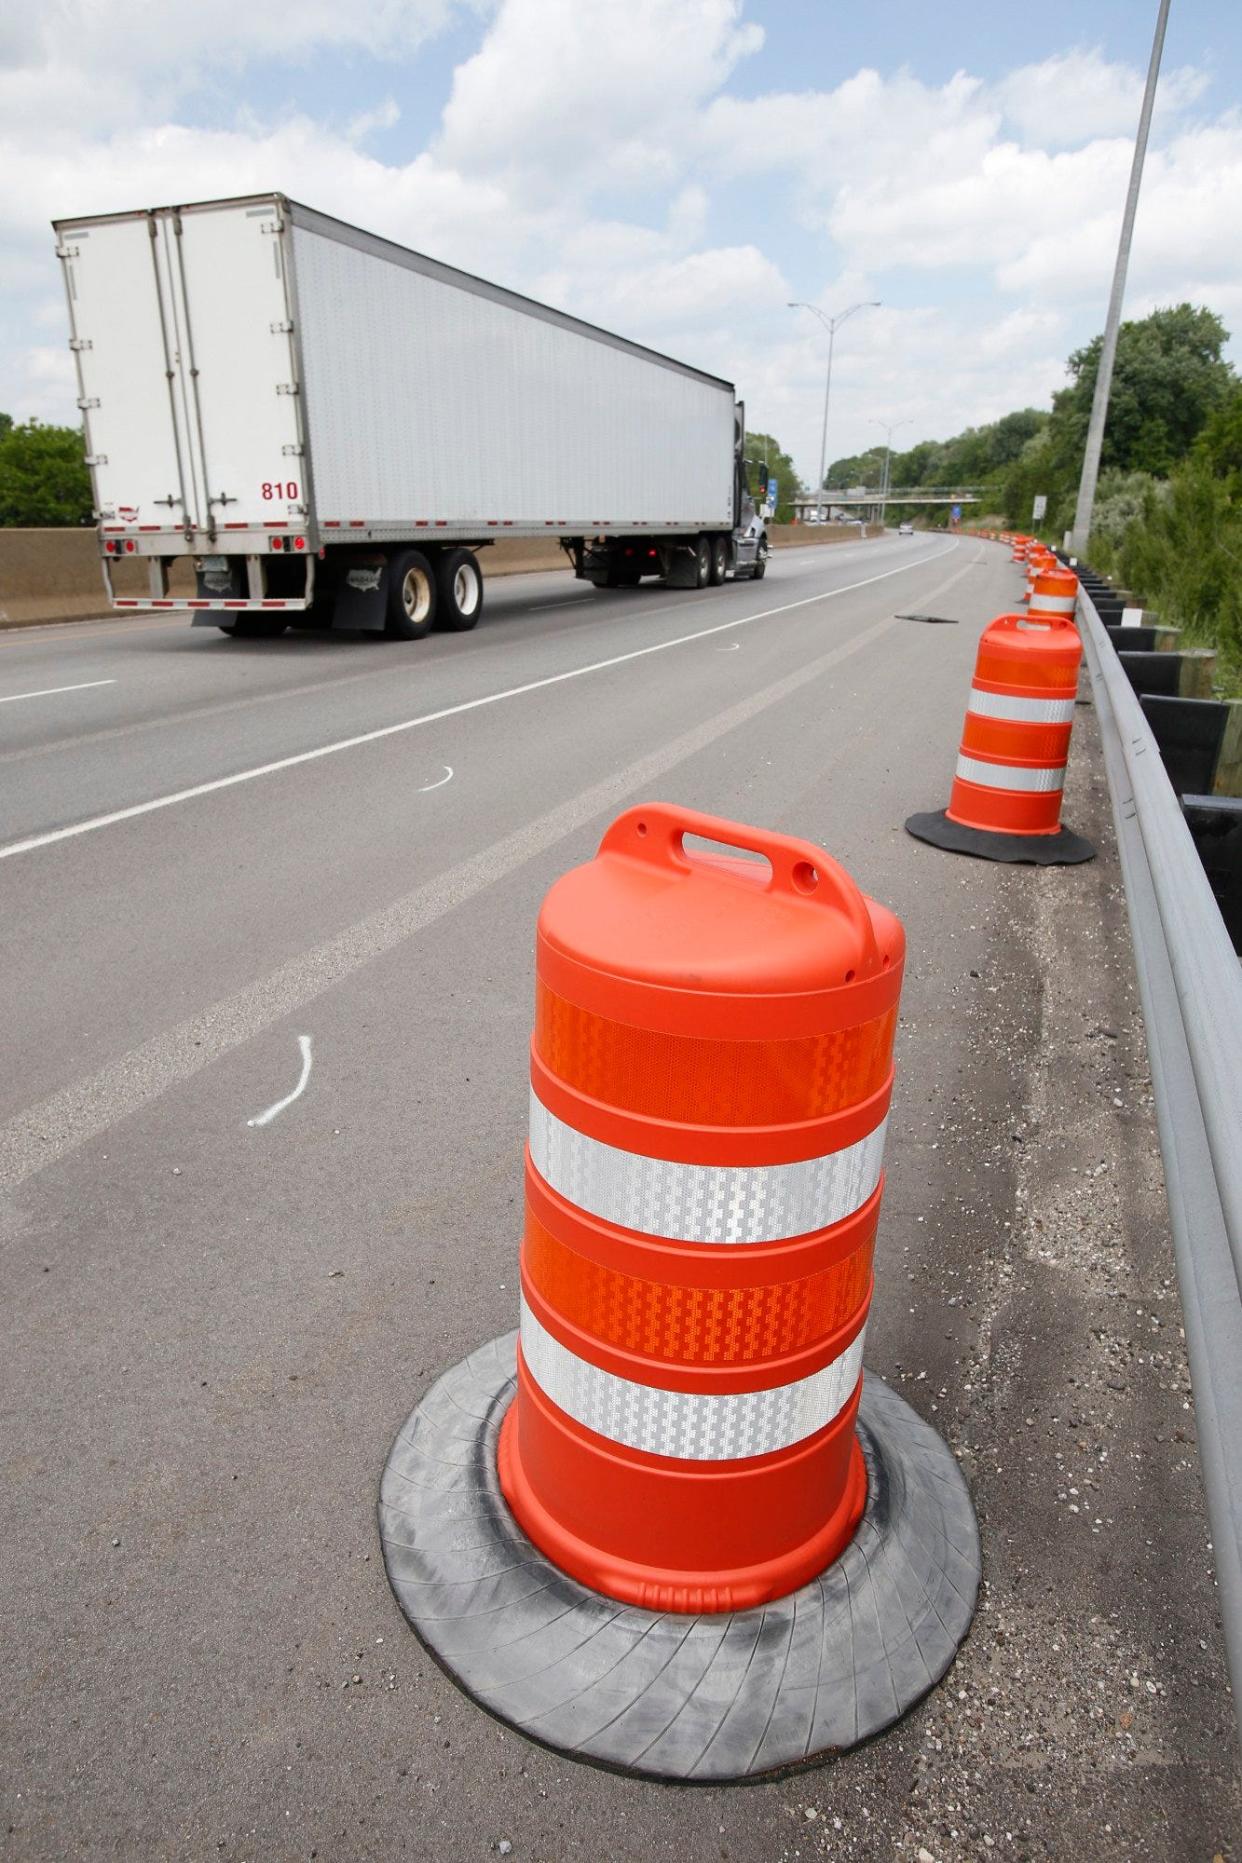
x=46, y=692
x=265, y=1119
x=449, y=711
x=440, y=780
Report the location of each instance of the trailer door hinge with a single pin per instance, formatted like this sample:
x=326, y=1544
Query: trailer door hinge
x=88, y=401
x=80, y=342
x=68, y=252
x=291, y=451
x=96, y=459
x=287, y=388
x=281, y=329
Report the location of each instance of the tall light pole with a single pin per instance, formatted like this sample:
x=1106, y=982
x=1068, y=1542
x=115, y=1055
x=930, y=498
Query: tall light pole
x=832, y=325
x=890, y=427
x=1108, y=351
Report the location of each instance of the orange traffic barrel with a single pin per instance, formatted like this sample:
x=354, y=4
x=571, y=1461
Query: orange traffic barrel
x=679, y=1442
x=1020, y=547
x=710, y=1078
x=1054, y=592
x=1038, y=559
x=1006, y=797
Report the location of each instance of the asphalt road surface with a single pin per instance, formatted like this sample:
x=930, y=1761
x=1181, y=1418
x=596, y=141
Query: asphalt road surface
x=267, y=924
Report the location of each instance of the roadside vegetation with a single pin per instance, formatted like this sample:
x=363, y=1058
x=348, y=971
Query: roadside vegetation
x=43, y=476
x=1168, y=512
x=763, y=451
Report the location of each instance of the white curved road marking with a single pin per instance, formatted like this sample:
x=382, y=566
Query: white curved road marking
x=265, y=1119
x=733, y=647
x=440, y=780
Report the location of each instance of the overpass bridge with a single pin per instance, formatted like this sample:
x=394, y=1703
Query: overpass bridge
x=862, y=496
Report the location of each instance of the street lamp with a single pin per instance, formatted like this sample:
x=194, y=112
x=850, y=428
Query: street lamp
x=831, y=324
x=890, y=427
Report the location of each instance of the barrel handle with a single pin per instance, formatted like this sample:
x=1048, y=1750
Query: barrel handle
x=1052, y=623
x=655, y=832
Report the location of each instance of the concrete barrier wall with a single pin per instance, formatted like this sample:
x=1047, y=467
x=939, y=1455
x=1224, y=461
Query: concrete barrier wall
x=54, y=575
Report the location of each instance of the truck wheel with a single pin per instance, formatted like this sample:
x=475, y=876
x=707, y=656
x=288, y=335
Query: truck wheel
x=720, y=560
x=761, y=560
x=411, y=596
x=702, y=563
x=459, y=589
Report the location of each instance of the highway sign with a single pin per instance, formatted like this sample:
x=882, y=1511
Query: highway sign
x=1039, y=508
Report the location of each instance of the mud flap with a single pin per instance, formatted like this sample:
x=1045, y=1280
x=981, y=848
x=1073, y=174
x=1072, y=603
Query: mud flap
x=362, y=596
x=683, y=565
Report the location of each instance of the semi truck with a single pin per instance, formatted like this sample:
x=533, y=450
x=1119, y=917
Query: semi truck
x=331, y=427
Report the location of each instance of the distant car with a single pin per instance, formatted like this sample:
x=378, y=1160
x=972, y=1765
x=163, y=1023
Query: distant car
x=905, y=530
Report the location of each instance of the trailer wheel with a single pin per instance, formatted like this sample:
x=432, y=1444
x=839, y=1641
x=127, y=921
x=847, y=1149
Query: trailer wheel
x=702, y=563
x=411, y=596
x=459, y=588
x=720, y=560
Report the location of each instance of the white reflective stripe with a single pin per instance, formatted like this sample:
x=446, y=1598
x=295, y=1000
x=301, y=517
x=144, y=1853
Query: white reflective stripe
x=1035, y=627
x=1008, y=775
x=1018, y=710
x=690, y=1426
x=1054, y=604
x=703, y=1202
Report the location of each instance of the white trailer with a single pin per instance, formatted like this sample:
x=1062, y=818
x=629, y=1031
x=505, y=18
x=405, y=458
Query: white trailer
x=331, y=426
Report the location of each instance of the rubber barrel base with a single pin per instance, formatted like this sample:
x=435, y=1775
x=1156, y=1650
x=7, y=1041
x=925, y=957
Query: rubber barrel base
x=1062, y=849
x=699, y=1699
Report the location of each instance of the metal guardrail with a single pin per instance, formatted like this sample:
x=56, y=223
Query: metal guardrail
x=1190, y=982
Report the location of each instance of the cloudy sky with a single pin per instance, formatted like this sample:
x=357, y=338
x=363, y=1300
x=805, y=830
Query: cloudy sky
x=672, y=169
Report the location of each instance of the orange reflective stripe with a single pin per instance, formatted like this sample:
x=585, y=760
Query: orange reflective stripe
x=695, y=1325
x=709, y=1082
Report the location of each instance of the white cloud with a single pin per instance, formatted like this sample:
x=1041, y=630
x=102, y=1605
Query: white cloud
x=1073, y=97
x=77, y=62
x=385, y=115
x=575, y=94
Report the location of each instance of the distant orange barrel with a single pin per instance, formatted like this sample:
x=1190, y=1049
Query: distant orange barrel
x=711, y=1069
x=1054, y=592
x=1038, y=559
x=1015, y=741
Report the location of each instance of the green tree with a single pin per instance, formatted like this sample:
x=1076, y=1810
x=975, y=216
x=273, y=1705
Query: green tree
x=856, y=469
x=43, y=476
x=6, y=422
x=1219, y=447
x=1181, y=551
x=763, y=451
x=1168, y=380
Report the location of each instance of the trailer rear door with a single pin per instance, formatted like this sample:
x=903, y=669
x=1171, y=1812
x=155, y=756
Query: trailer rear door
x=184, y=337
